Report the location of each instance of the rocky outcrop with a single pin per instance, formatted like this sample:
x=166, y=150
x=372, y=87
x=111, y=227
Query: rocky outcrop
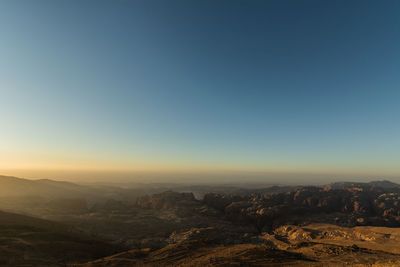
x=376, y=203
x=181, y=204
x=219, y=201
x=346, y=204
x=166, y=200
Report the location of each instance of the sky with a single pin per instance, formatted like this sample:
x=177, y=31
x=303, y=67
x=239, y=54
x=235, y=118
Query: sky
x=200, y=87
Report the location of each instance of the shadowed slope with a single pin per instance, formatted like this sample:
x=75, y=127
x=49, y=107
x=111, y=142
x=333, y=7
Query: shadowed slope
x=28, y=241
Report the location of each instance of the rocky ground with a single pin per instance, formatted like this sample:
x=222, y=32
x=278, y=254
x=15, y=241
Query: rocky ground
x=309, y=226
x=311, y=245
x=334, y=225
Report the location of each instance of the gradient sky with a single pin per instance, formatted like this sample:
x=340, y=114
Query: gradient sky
x=282, y=86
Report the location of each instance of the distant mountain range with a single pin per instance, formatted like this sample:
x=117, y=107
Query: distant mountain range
x=378, y=184
x=13, y=186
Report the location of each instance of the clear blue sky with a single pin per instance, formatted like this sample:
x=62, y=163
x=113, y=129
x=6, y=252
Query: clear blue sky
x=200, y=85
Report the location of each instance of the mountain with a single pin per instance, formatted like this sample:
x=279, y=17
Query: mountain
x=17, y=187
x=374, y=184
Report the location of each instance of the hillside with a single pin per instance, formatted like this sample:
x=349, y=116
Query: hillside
x=17, y=187
x=28, y=241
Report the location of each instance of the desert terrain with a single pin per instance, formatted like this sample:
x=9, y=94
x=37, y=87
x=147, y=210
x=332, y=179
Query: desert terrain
x=51, y=223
